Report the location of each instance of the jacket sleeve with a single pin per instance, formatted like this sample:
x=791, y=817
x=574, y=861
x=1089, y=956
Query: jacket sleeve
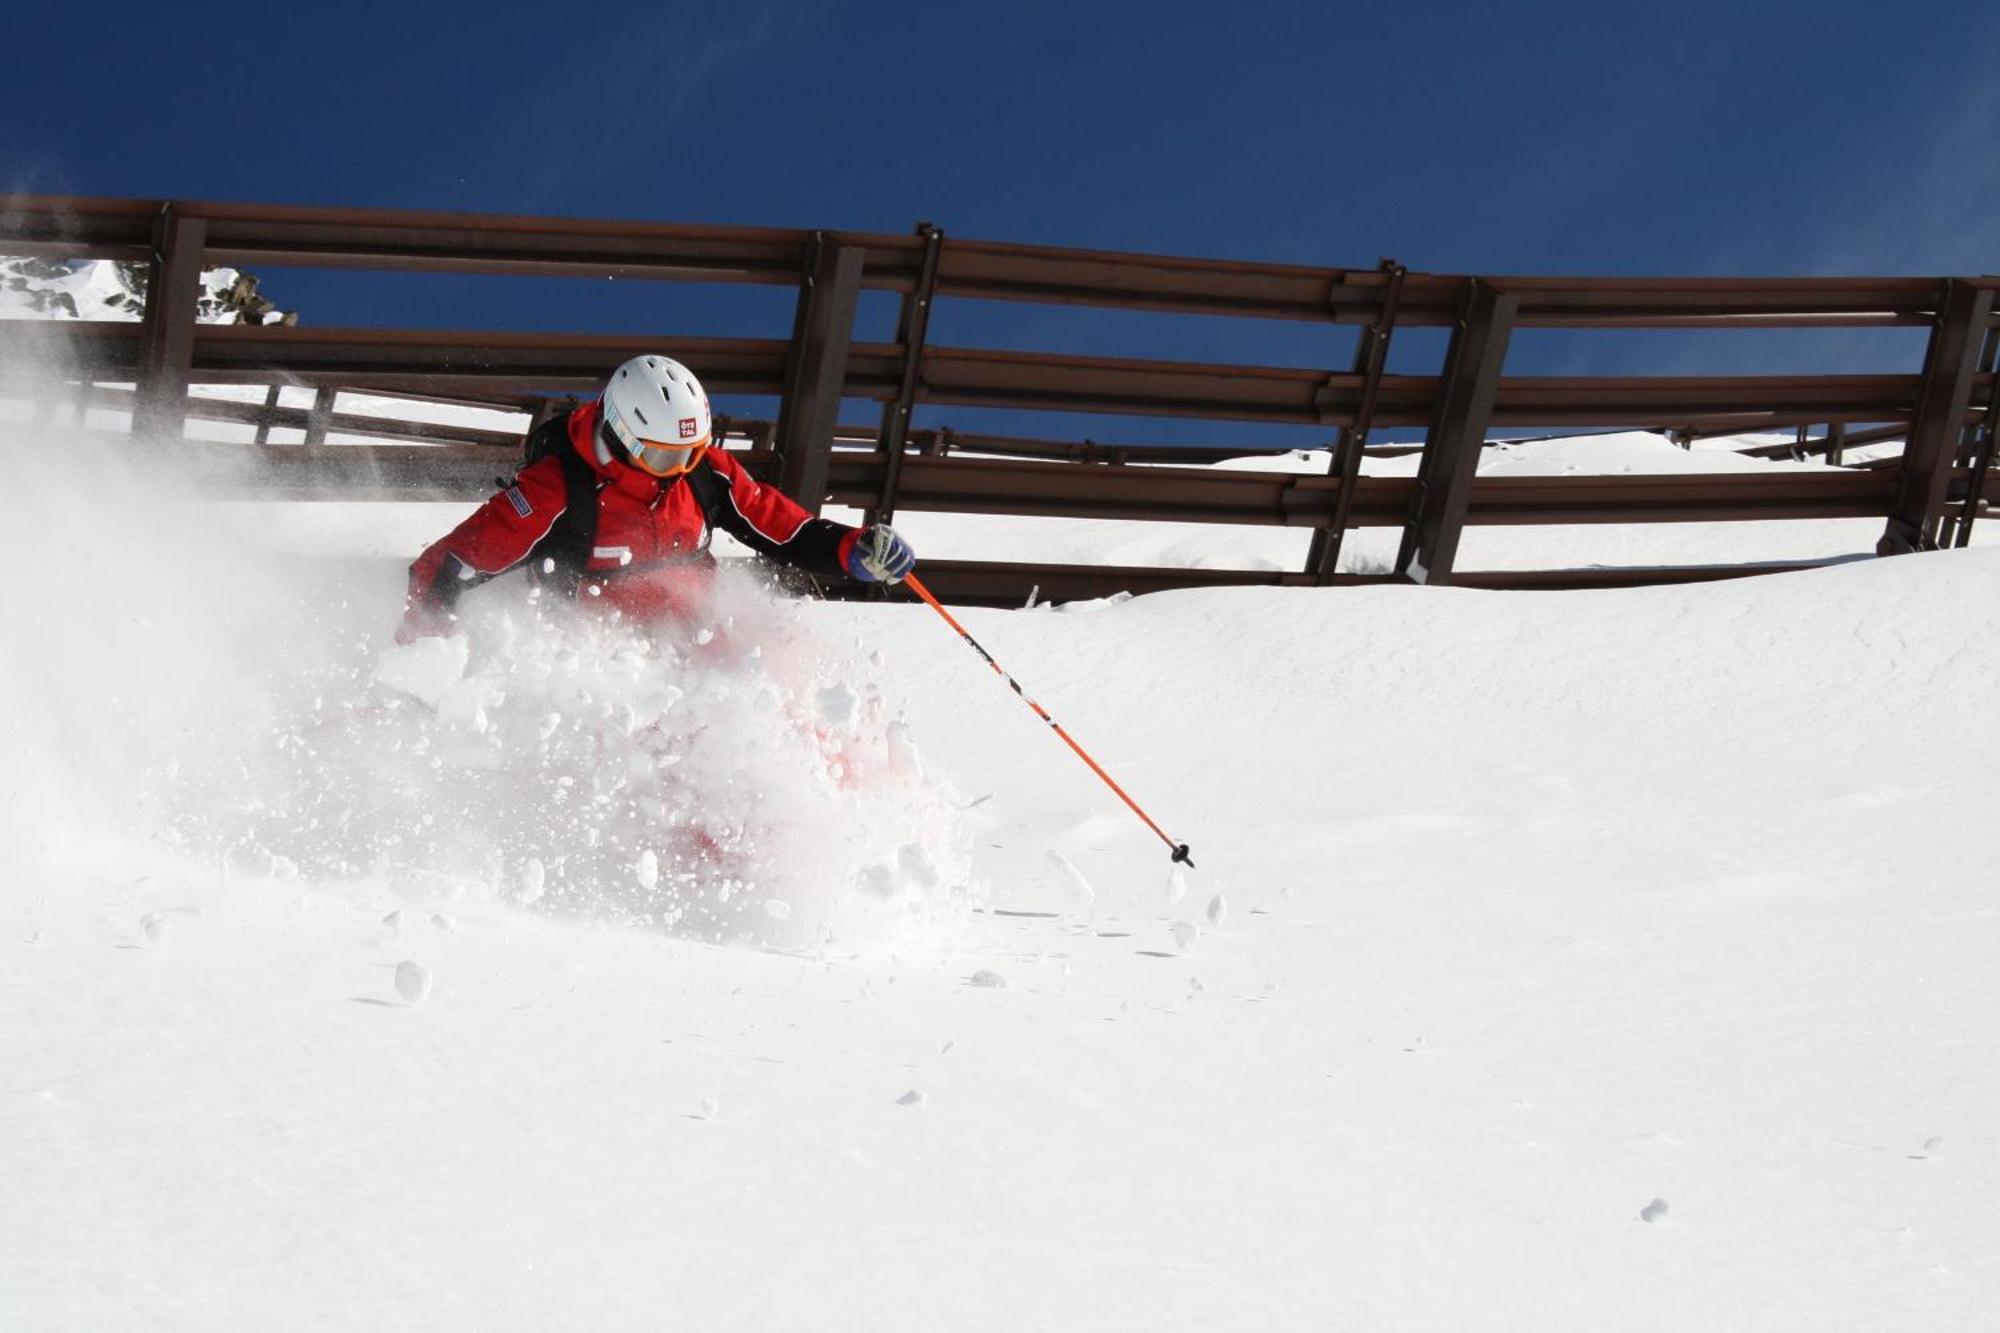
x=767, y=520
x=492, y=540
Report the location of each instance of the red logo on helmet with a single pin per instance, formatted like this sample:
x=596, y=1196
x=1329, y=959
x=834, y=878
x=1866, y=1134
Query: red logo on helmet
x=687, y=428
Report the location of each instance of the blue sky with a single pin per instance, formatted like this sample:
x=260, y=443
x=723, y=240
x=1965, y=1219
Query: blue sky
x=1563, y=138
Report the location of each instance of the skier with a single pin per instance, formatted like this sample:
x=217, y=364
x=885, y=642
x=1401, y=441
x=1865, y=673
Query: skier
x=615, y=507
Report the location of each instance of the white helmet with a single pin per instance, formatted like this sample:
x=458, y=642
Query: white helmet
x=655, y=408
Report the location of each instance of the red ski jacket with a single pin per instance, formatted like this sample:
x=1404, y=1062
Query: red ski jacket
x=648, y=556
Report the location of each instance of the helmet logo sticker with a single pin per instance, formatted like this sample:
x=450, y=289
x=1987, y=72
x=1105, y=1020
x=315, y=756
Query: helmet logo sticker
x=688, y=428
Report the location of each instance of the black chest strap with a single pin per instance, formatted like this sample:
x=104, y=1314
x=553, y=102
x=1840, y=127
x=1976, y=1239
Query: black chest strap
x=561, y=556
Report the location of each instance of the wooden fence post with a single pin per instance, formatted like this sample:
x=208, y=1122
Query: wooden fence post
x=319, y=416
x=1371, y=355
x=1942, y=401
x=1982, y=443
x=816, y=370
x=268, y=415
x=912, y=328
x=1466, y=393
x=166, y=336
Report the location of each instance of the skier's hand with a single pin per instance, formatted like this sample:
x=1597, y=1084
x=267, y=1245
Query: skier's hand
x=878, y=555
x=422, y=622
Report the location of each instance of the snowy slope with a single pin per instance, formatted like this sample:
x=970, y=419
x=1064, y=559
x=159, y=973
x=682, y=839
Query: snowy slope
x=1515, y=914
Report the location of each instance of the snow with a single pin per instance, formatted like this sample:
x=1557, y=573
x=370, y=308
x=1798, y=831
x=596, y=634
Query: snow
x=92, y=289
x=413, y=981
x=1555, y=961
x=96, y=289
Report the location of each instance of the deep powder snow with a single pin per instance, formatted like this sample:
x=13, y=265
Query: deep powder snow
x=1559, y=961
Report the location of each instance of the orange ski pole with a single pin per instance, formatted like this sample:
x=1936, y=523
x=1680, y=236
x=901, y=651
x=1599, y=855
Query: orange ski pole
x=915, y=585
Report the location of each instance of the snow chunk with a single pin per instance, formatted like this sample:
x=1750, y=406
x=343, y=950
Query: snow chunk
x=987, y=979
x=413, y=981
x=647, y=869
x=426, y=670
x=917, y=866
x=1653, y=1211
x=839, y=706
x=904, y=758
x=1218, y=911
x=155, y=925
x=912, y=1098
x=534, y=878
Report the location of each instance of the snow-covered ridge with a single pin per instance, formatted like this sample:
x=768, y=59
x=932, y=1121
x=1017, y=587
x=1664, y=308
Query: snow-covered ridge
x=115, y=290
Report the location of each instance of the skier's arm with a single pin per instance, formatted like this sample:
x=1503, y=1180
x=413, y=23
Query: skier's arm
x=492, y=540
x=767, y=520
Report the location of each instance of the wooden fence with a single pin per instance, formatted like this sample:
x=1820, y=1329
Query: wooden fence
x=1929, y=497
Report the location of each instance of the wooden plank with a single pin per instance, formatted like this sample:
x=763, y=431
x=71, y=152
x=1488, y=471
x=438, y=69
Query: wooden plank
x=1001, y=584
x=277, y=235
x=446, y=363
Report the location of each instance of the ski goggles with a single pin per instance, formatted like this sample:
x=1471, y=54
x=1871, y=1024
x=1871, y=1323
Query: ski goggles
x=656, y=456
x=666, y=460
